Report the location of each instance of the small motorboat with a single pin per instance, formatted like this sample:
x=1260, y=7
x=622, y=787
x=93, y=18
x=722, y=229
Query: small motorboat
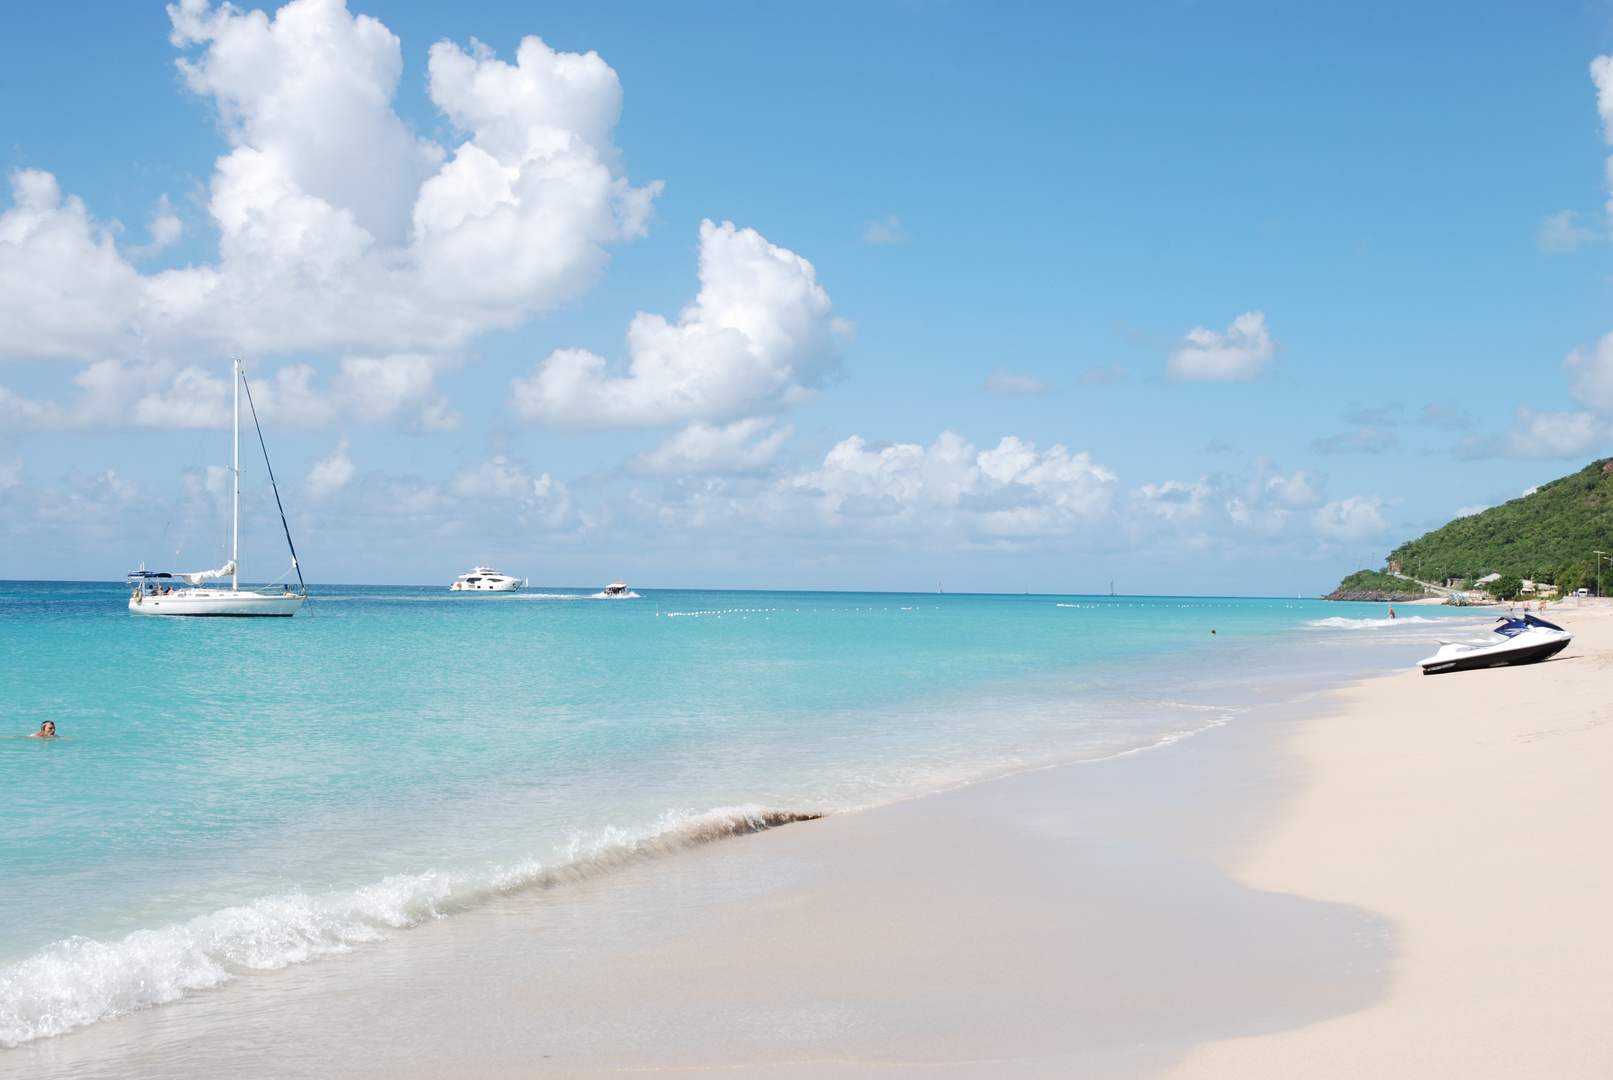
x=485, y=579
x=1524, y=640
x=616, y=588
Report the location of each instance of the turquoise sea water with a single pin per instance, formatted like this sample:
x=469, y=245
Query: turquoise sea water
x=238, y=795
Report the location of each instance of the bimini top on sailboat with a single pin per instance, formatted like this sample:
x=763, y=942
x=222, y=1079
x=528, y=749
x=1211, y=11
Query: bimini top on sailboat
x=155, y=595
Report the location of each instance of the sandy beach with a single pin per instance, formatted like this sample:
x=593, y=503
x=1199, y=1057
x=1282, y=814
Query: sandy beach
x=777, y=541
x=1406, y=877
x=1475, y=812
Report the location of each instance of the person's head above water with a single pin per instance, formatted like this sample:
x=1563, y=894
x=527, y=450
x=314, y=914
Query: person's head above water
x=47, y=730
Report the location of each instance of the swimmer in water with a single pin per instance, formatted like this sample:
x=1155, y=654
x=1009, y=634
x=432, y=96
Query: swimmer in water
x=47, y=730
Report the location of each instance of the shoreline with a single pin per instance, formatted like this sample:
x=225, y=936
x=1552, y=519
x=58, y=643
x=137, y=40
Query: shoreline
x=1024, y=925
x=1072, y=917
x=1476, y=815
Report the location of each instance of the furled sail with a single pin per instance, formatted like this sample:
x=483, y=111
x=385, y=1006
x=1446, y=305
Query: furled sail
x=202, y=575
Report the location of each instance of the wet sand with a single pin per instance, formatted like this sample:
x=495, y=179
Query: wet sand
x=1408, y=878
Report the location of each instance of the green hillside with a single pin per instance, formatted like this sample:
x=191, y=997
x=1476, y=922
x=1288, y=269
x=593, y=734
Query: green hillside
x=1548, y=535
x=1365, y=583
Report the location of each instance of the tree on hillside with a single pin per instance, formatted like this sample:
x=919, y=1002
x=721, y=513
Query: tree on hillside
x=1547, y=535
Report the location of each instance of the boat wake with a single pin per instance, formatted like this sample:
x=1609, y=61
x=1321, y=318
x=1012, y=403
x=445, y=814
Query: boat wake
x=79, y=980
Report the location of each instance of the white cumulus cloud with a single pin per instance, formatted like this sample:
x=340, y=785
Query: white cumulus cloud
x=305, y=98
x=1602, y=76
x=339, y=229
x=759, y=335
x=1243, y=352
x=1267, y=502
x=501, y=480
x=160, y=394
x=1543, y=434
x=1590, y=375
x=330, y=474
x=1562, y=232
x=65, y=292
x=705, y=448
x=1299, y=489
x=951, y=487
x=1178, y=500
x=952, y=495
x=1540, y=435
x=1271, y=501
x=1355, y=518
x=1231, y=512
x=165, y=227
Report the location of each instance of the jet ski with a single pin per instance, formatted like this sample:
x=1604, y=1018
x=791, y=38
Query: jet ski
x=1525, y=640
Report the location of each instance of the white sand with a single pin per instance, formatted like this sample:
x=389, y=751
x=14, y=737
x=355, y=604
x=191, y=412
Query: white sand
x=1475, y=810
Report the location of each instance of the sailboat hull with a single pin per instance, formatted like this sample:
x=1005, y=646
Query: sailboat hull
x=234, y=602
x=226, y=603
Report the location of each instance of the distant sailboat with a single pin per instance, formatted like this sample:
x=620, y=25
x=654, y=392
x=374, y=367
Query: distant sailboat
x=1111, y=587
x=152, y=597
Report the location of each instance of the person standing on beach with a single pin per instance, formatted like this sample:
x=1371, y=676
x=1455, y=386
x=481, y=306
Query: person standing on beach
x=47, y=730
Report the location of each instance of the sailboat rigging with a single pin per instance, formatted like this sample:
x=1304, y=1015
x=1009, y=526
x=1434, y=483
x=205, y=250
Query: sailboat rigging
x=152, y=596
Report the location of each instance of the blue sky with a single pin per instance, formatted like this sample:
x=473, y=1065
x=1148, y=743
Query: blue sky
x=1254, y=293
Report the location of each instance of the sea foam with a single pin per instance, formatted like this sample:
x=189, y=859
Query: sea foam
x=1338, y=622
x=79, y=980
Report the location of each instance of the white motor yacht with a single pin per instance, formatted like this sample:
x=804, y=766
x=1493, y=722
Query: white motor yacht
x=485, y=579
x=616, y=588
x=1525, y=640
x=155, y=594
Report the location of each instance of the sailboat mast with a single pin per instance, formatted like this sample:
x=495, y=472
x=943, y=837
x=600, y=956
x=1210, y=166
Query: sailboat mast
x=235, y=532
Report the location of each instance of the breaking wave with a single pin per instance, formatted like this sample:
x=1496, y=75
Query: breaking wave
x=79, y=981
x=1340, y=623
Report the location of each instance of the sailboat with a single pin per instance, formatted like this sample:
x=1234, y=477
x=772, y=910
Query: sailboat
x=153, y=595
